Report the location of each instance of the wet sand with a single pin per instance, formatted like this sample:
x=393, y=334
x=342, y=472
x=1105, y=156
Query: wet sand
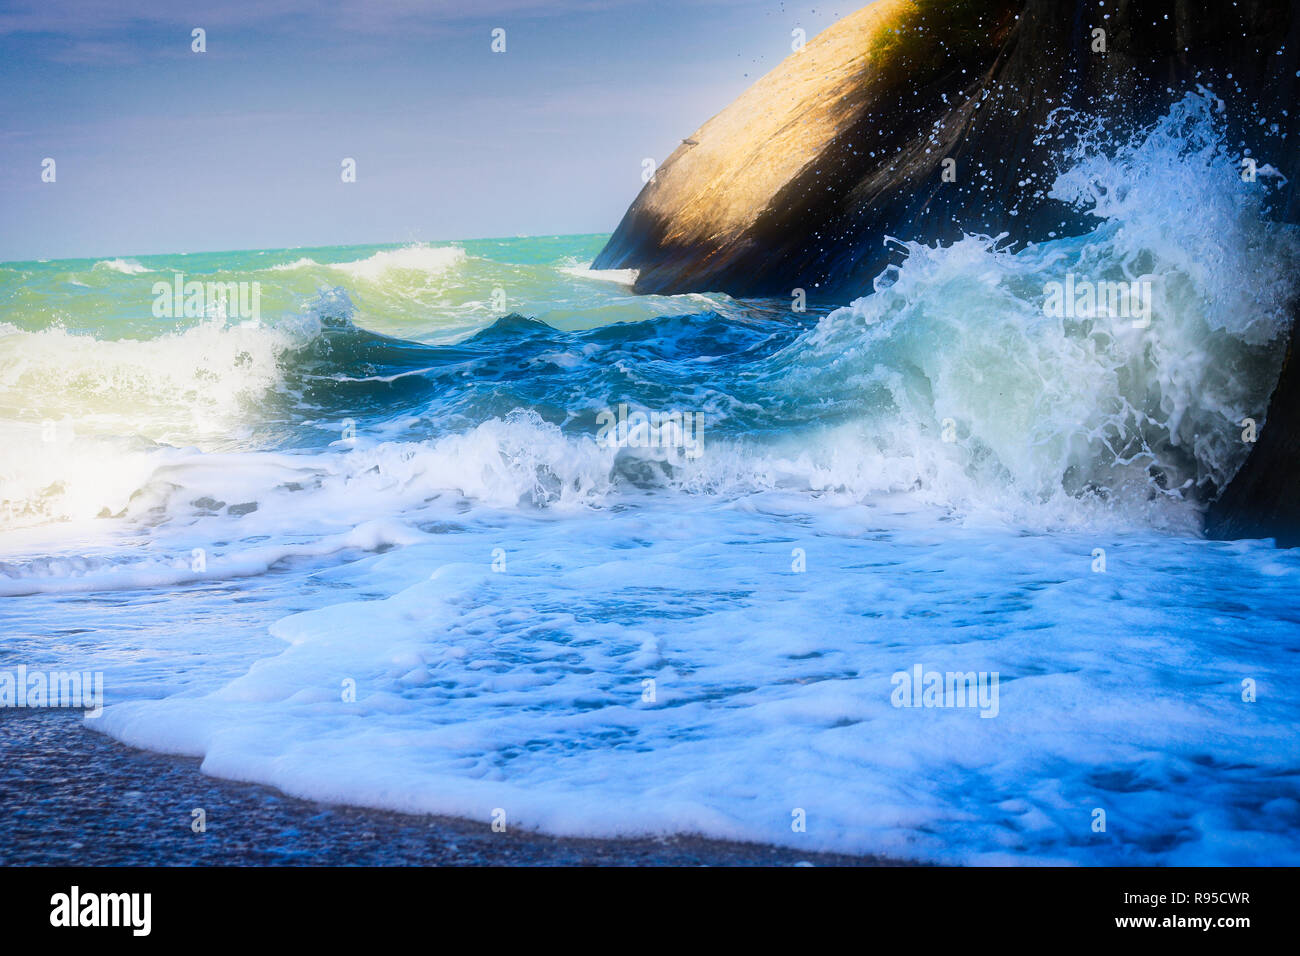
x=72, y=797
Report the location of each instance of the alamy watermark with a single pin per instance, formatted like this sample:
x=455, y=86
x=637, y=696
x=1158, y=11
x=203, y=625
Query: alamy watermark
x=676, y=429
x=75, y=908
x=72, y=689
x=921, y=688
x=1082, y=298
x=196, y=300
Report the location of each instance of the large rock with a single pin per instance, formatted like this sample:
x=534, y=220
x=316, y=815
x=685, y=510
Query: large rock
x=798, y=182
x=755, y=201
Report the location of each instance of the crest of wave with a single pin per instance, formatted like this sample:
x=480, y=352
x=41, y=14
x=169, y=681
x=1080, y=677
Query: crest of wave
x=79, y=415
x=960, y=373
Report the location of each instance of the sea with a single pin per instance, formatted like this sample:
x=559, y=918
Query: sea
x=469, y=529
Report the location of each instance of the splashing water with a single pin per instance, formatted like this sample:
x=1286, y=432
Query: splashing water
x=397, y=487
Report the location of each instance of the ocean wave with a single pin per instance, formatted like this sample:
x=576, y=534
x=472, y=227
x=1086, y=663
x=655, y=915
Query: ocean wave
x=125, y=266
x=625, y=277
x=81, y=415
x=957, y=350
x=415, y=258
x=420, y=258
x=302, y=262
x=951, y=382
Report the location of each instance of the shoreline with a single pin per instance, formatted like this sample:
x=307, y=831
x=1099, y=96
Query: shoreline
x=74, y=797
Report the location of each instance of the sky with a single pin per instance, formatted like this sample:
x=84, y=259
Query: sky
x=160, y=149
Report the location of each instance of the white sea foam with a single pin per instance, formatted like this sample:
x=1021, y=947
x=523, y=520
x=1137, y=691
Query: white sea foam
x=418, y=258
x=524, y=688
x=957, y=339
x=620, y=276
x=302, y=262
x=125, y=266
x=80, y=417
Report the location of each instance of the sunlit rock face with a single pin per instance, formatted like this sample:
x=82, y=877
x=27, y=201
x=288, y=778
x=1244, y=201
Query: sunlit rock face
x=798, y=183
x=752, y=200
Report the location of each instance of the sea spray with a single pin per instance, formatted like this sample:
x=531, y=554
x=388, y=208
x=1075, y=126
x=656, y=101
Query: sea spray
x=424, y=585
x=1057, y=401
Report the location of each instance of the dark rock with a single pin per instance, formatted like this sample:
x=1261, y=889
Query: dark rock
x=797, y=183
x=1262, y=500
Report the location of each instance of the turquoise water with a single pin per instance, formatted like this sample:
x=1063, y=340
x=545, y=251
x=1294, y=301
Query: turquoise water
x=468, y=528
